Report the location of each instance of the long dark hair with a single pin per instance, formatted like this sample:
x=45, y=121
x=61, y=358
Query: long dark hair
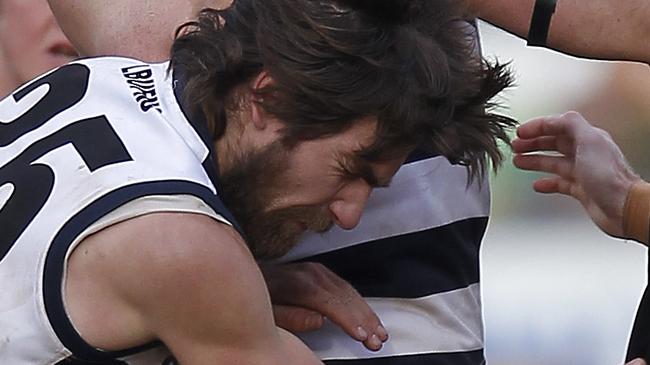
x=407, y=62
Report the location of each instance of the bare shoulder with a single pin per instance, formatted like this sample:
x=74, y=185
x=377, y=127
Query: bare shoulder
x=157, y=274
x=182, y=250
x=193, y=252
x=172, y=240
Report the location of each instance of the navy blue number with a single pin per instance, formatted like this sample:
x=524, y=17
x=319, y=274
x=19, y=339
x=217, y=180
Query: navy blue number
x=67, y=86
x=93, y=138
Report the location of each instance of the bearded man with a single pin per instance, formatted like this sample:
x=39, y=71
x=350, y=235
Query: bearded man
x=136, y=197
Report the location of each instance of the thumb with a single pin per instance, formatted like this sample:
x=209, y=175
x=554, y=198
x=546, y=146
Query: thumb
x=297, y=319
x=638, y=361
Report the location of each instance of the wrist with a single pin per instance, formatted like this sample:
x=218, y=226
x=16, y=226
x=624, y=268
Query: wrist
x=636, y=213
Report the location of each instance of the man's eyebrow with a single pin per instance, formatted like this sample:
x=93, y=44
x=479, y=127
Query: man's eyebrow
x=361, y=167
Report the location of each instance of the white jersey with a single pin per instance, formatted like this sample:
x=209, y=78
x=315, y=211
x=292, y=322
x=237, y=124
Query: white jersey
x=90, y=144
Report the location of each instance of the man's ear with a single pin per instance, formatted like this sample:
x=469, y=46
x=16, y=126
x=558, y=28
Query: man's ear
x=259, y=117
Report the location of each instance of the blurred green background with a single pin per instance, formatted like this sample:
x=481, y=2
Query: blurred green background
x=556, y=290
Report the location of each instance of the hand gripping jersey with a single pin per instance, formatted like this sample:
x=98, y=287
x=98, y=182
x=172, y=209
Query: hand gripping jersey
x=90, y=144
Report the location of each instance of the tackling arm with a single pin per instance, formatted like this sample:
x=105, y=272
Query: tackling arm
x=604, y=29
x=183, y=279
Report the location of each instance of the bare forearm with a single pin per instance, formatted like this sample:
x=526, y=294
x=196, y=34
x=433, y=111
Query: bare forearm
x=141, y=29
x=604, y=29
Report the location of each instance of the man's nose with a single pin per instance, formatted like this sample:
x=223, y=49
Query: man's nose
x=349, y=203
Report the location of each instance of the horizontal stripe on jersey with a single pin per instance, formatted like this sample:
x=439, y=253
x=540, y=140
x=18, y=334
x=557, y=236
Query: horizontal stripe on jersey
x=422, y=195
x=412, y=265
x=460, y=358
x=446, y=322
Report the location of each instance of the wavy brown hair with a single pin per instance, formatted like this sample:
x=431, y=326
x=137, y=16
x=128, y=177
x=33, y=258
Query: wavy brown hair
x=407, y=62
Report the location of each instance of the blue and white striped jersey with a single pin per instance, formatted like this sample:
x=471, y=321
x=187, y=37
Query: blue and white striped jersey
x=415, y=258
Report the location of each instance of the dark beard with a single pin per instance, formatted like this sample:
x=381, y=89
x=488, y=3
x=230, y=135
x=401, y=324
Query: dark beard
x=255, y=179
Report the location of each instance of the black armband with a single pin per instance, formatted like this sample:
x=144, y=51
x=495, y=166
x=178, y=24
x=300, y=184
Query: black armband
x=540, y=22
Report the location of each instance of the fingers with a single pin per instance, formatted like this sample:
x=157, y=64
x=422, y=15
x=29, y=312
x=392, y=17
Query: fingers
x=314, y=287
x=557, y=165
x=297, y=319
x=538, y=127
x=545, y=143
x=554, y=133
x=563, y=167
x=344, y=306
x=553, y=185
x=566, y=124
x=562, y=144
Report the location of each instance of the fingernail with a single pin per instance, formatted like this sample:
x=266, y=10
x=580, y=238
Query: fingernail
x=363, y=335
x=382, y=333
x=374, y=342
